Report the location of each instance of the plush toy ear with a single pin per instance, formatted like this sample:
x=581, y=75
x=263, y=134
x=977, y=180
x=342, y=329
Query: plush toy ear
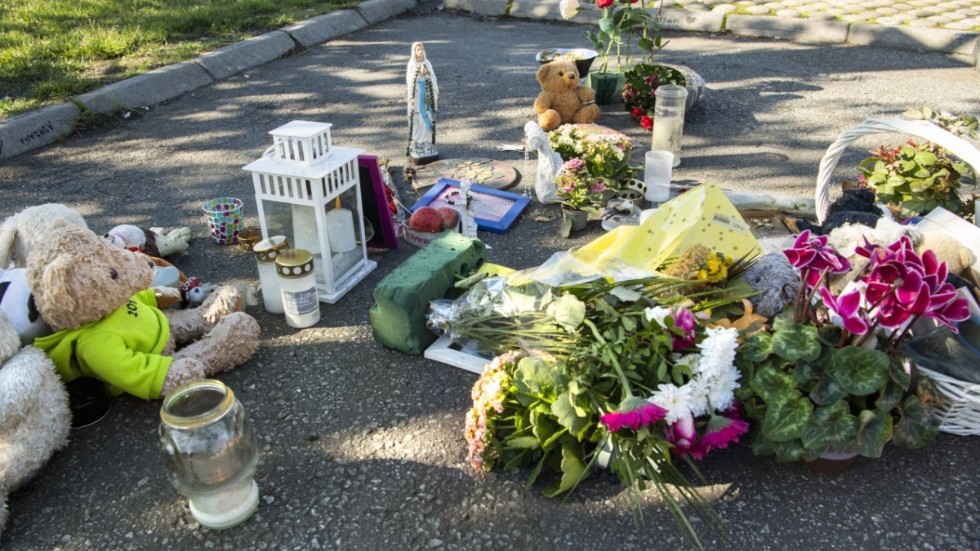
x=56, y=281
x=543, y=73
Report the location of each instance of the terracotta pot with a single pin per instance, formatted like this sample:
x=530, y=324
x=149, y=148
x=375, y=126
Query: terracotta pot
x=832, y=462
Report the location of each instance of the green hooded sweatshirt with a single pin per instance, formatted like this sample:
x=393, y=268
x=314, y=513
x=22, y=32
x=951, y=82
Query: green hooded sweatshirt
x=122, y=349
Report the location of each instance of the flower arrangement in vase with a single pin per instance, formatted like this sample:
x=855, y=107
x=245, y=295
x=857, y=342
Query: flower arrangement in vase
x=827, y=376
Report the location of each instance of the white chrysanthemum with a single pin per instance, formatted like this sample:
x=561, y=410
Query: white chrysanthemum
x=718, y=351
x=657, y=314
x=723, y=387
x=676, y=400
x=700, y=395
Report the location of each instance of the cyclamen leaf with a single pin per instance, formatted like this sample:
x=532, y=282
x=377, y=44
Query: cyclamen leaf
x=797, y=343
x=786, y=419
x=916, y=428
x=773, y=386
x=875, y=430
x=830, y=425
x=859, y=371
x=758, y=348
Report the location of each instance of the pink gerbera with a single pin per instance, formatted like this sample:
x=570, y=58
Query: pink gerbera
x=721, y=431
x=633, y=418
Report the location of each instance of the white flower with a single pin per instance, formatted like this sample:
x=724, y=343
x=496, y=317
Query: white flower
x=700, y=393
x=657, y=314
x=723, y=390
x=568, y=8
x=676, y=400
x=718, y=351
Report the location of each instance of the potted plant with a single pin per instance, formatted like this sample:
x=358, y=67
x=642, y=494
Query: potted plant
x=604, y=151
x=618, y=23
x=579, y=194
x=918, y=176
x=827, y=377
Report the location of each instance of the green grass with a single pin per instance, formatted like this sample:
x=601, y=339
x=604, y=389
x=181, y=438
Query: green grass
x=51, y=50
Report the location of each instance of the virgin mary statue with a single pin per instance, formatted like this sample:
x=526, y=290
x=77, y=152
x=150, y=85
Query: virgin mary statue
x=422, y=97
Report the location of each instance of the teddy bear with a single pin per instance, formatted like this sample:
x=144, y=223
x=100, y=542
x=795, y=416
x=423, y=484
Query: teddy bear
x=562, y=99
x=21, y=232
x=34, y=414
x=108, y=324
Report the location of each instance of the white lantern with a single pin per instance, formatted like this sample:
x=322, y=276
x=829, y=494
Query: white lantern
x=310, y=191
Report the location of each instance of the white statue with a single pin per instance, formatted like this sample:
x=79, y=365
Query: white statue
x=423, y=99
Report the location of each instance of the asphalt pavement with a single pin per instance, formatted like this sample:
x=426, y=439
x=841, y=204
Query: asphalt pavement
x=361, y=446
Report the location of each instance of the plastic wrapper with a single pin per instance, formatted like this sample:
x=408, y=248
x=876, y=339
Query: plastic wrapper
x=948, y=353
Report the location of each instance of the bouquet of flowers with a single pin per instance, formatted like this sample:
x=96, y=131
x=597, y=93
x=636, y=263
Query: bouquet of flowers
x=828, y=376
x=598, y=373
x=639, y=92
x=606, y=153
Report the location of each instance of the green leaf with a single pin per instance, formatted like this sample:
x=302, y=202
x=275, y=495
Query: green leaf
x=860, y=371
x=773, y=385
x=625, y=294
x=916, y=427
x=568, y=311
x=799, y=342
x=925, y=158
x=565, y=412
x=890, y=397
x=874, y=431
x=758, y=348
x=827, y=390
x=536, y=378
x=572, y=469
x=522, y=442
x=786, y=419
x=830, y=425
x=898, y=375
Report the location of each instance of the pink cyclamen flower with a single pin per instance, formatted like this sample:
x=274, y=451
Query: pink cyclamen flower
x=812, y=257
x=642, y=416
x=848, y=307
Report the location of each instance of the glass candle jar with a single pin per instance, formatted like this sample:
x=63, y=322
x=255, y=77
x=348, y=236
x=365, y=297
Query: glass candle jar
x=297, y=283
x=210, y=453
x=266, y=252
x=668, y=119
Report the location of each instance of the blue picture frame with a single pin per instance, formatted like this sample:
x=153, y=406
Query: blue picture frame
x=497, y=222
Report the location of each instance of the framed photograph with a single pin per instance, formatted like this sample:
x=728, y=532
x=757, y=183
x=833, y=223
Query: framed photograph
x=494, y=210
x=374, y=201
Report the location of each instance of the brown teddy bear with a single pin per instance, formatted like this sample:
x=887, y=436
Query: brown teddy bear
x=562, y=99
x=108, y=324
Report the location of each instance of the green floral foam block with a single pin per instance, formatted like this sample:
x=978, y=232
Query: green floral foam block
x=401, y=299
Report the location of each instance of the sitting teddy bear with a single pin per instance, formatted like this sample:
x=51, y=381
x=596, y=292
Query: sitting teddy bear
x=34, y=414
x=21, y=232
x=562, y=99
x=108, y=324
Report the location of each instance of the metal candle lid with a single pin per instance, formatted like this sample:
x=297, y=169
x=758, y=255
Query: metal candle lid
x=267, y=250
x=294, y=263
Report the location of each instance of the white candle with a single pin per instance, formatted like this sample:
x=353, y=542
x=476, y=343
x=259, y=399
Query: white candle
x=667, y=133
x=340, y=230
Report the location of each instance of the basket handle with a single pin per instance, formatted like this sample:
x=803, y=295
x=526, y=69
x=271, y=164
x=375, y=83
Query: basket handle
x=921, y=128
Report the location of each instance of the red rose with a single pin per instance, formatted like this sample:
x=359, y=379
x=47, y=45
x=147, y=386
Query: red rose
x=637, y=111
x=646, y=122
x=603, y=3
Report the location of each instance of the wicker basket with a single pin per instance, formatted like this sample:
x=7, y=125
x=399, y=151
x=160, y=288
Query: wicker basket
x=961, y=412
x=920, y=128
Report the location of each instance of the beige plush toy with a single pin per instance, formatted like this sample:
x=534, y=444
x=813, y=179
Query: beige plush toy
x=948, y=249
x=562, y=99
x=21, y=233
x=34, y=414
x=108, y=324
